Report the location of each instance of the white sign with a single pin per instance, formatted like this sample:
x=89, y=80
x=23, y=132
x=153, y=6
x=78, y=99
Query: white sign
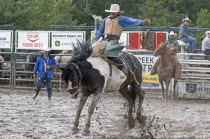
x=33, y=39
x=193, y=89
x=148, y=61
x=5, y=39
x=65, y=40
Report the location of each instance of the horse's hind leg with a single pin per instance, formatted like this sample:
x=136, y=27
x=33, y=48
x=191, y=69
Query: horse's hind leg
x=91, y=108
x=140, y=93
x=168, y=81
x=174, y=90
x=125, y=93
x=83, y=99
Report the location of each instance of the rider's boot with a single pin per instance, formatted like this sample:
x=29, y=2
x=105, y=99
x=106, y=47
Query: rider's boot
x=36, y=94
x=124, y=69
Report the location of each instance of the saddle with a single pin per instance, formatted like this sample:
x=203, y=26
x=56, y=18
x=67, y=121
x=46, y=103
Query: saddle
x=98, y=50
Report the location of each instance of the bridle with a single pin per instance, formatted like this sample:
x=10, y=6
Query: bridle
x=78, y=70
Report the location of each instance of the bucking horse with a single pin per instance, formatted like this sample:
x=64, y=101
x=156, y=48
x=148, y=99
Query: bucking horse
x=93, y=75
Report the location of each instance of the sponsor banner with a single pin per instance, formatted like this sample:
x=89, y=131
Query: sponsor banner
x=149, y=81
x=33, y=39
x=61, y=40
x=5, y=39
x=192, y=89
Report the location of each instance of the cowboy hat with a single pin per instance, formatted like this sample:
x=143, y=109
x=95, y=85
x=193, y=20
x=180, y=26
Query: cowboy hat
x=46, y=49
x=114, y=8
x=207, y=32
x=186, y=19
x=172, y=33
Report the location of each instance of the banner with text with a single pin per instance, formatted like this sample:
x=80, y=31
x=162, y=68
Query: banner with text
x=149, y=80
x=32, y=39
x=64, y=40
x=5, y=38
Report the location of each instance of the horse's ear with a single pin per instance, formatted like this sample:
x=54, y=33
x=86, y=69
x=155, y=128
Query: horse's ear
x=62, y=69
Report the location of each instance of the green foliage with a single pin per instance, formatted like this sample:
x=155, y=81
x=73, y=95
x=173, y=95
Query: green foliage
x=203, y=20
x=41, y=14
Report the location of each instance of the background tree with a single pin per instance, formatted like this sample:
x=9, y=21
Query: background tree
x=41, y=14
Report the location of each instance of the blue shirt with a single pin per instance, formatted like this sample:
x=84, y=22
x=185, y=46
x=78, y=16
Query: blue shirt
x=40, y=65
x=124, y=21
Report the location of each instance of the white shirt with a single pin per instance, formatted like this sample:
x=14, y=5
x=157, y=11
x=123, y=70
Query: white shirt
x=206, y=43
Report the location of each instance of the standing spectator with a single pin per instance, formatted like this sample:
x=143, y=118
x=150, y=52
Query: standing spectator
x=185, y=35
x=44, y=67
x=206, y=44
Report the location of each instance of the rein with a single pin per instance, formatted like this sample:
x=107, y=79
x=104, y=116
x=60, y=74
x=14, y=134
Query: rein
x=130, y=68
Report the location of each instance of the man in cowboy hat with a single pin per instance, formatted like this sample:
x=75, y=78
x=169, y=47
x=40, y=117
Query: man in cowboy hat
x=44, y=67
x=173, y=46
x=111, y=29
x=206, y=44
x=185, y=35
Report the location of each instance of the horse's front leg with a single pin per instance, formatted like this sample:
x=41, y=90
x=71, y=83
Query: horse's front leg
x=162, y=87
x=91, y=108
x=83, y=99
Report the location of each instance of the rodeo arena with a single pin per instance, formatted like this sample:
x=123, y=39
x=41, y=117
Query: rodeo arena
x=184, y=112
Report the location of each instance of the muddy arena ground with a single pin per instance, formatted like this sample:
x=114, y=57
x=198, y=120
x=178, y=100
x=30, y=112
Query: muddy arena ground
x=22, y=117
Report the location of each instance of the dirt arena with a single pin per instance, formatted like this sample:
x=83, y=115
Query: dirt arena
x=22, y=117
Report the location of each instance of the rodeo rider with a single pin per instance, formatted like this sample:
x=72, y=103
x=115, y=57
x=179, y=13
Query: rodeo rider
x=173, y=46
x=111, y=28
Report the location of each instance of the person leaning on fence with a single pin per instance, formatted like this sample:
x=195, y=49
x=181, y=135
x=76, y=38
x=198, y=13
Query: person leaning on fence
x=111, y=29
x=44, y=68
x=173, y=46
x=185, y=35
x=206, y=44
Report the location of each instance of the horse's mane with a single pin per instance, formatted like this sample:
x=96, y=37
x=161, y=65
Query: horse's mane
x=81, y=51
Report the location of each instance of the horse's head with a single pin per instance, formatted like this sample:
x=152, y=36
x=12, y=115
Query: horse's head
x=71, y=77
x=162, y=49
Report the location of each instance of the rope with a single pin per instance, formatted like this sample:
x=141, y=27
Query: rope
x=130, y=67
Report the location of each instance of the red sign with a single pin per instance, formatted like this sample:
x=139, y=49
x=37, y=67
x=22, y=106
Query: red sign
x=33, y=36
x=160, y=37
x=136, y=40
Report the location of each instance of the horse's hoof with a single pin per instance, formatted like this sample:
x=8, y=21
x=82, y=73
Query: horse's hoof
x=131, y=123
x=86, y=133
x=75, y=131
x=142, y=120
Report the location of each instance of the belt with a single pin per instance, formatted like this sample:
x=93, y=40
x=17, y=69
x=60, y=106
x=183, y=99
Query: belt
x=112, y=39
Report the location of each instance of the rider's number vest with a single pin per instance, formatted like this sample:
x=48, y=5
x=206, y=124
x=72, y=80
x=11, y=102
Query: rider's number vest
x=113, y=27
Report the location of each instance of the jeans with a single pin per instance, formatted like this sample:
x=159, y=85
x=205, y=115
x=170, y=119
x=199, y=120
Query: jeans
x=48, y=82
x=207, y=52
x=193, y=43
x=118, y=61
